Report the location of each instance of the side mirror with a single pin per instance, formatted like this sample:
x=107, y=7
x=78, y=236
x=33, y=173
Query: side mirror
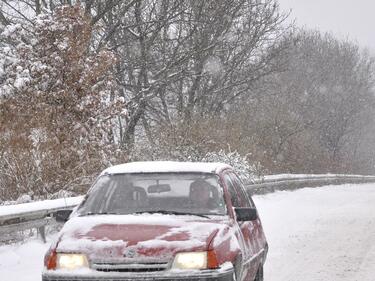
x=246, y=214
x=62, y=215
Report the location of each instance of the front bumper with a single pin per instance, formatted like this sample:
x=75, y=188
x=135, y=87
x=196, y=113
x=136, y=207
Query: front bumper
x=223, y=274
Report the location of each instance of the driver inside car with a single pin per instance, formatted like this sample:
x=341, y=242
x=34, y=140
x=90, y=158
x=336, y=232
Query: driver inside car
x=200, y=195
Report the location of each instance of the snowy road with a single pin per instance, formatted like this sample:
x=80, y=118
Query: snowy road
x=325, y=233
x=320, y=234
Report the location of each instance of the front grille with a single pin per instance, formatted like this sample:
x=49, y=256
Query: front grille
x=130, y=267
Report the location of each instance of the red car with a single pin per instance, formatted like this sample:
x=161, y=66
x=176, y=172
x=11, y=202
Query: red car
x=161, y=221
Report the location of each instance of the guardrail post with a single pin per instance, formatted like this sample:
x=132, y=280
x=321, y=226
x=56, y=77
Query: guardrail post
x=42, y=233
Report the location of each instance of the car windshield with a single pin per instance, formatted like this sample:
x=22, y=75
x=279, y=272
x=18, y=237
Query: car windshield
x=168, y=193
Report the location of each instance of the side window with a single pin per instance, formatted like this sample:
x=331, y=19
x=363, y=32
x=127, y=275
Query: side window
x=244, y=197
x=232, y=191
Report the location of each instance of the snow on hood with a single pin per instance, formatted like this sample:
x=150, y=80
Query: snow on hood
x=122, y=237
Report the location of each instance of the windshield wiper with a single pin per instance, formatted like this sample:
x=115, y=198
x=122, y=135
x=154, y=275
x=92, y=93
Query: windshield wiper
x=172, y=213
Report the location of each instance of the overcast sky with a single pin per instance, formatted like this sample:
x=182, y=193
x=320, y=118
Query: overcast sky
x=353, y=19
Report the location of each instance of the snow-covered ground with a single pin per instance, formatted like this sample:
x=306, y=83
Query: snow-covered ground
x=22, y=262
x=315, y=234
x=318, y=234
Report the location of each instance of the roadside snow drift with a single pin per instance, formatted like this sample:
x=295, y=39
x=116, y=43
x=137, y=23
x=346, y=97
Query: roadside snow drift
x=22, y=262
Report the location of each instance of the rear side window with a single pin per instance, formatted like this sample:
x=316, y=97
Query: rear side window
x=244, y=197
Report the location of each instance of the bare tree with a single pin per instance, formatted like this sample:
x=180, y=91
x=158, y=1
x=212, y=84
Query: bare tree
x=311, y=115
x=182, y=60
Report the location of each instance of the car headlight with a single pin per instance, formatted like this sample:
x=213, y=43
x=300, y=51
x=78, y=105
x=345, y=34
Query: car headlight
x=192, y=260
x=71, y=261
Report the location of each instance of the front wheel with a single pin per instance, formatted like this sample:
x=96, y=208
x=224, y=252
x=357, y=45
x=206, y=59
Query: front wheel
x=259, y=276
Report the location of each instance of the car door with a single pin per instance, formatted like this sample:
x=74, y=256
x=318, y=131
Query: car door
x=250, y=229
x=254, y=233
x=243, y=231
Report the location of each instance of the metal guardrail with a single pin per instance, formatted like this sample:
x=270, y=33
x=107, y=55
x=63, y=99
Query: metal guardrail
x=35, y=215
x=16, y=218
x=269, y=185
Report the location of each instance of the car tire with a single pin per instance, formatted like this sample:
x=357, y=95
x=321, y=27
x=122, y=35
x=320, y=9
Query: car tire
x=259, y=276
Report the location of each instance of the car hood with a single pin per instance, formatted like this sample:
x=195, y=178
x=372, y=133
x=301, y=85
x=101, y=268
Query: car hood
x=144, y=236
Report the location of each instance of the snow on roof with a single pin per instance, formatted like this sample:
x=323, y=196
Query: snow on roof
x=165, y=167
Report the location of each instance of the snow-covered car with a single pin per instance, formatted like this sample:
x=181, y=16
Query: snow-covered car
x=161, y=221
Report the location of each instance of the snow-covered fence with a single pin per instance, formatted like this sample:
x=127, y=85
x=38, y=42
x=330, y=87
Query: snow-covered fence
x=16, y=218
x=36, y=215
x=273, y=183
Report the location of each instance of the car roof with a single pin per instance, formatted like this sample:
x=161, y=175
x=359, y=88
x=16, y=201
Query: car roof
x=165, y=167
